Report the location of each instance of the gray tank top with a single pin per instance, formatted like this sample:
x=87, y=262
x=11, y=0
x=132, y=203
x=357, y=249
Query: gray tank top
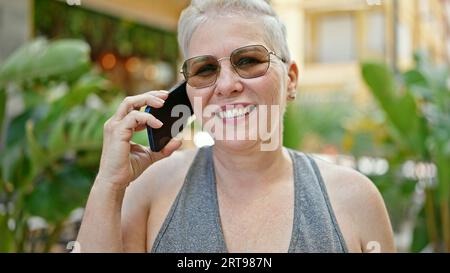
x=193, y=223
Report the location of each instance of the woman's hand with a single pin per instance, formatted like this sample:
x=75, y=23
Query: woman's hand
x=122, y=161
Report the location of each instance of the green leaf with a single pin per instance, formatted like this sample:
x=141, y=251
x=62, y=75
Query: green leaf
x=54, y=199
x=3, y=98
x=16, y=129
x=400, y=108
x=15, y=168
x=38, y=156
x=20, y=63
x=57, y=140
x=77, y=95
x=92, y=124
x=6, y=235
x=76, y=125
x=420, y=235
x=443, y=174
x=10, y=157
x=418, y=84
x=41, y=59
x=291, y=134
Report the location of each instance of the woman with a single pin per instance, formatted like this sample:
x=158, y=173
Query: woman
x=234, y=196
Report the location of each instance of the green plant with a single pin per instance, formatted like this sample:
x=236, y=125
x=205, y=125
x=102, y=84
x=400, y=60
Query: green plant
x=50, y=140
x=417, y=106
x=315, y=124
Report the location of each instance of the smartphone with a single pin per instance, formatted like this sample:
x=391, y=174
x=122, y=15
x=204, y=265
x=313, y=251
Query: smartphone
x=174, y=115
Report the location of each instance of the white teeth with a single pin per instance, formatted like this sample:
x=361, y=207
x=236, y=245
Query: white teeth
x=236, y=112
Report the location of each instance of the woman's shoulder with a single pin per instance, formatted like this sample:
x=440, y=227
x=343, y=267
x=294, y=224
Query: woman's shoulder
x=154, y=190
x=164, y=176
x=170, y=171
x=358, y=205
x=178, y=161
x=346, y=184
x=341, y=180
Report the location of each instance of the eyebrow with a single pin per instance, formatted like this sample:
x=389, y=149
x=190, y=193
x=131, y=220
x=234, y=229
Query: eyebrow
x=200, y=58
x=241, y=49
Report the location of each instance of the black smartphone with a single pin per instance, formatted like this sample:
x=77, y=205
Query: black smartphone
x=174, y=115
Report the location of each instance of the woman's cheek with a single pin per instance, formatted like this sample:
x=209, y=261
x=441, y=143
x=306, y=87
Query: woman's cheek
x=274, y=90
x=199, y=104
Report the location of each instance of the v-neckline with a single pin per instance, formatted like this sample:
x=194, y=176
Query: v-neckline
x=215, y=196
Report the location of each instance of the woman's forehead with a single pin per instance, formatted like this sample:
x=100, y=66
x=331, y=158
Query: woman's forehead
x=218, y=38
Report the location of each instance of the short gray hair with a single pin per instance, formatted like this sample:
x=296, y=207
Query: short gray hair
x=200, y=10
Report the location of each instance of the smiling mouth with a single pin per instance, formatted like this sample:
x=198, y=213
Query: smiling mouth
x=236, y=112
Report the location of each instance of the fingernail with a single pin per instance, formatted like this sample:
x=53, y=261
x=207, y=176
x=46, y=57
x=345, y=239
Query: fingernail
x=160, y=100
x=159, y=123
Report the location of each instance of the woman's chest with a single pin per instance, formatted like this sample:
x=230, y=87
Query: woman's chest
x=258, y=223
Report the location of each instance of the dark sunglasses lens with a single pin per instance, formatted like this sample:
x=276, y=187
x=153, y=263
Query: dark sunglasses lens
x=251, y=61
x=201, y=71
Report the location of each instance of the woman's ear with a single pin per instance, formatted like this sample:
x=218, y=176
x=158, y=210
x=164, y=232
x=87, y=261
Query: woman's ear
x=292, y=81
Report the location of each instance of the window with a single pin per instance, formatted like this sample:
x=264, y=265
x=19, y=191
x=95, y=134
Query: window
x=375, y=35
x=336, y=39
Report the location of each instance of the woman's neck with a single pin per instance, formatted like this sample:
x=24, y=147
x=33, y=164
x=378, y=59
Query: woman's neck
x=250, y=168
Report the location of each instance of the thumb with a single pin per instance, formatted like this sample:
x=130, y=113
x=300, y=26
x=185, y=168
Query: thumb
x=172, y=146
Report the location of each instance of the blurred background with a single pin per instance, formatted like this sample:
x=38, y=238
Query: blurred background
x=373, y=95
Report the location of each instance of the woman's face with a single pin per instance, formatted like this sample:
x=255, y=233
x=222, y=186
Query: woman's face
x=247, y=125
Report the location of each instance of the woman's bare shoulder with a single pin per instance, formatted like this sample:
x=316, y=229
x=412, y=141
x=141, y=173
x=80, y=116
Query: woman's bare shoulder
x=165, y=174
x=344, y=182
x=161, y=181
x=358, y=205
x=160, y=178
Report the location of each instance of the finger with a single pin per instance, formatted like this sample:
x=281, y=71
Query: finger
x=170, y=147
x=173, y=145
x=134, y=147
x=152, y=98
x=143, y=154
x=136, y=119
x=159, y=93
x=140, y=127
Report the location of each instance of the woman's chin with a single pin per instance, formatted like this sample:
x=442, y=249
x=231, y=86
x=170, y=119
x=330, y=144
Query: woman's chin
x=236, y=145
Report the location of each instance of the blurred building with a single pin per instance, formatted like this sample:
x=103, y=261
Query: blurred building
x=330, y=38
x=15, y=28
x=162, y=14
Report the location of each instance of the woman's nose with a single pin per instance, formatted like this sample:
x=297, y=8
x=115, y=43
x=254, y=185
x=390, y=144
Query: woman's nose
x=228, y=81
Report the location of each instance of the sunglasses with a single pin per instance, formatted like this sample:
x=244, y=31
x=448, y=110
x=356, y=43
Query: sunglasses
x=249, y=62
